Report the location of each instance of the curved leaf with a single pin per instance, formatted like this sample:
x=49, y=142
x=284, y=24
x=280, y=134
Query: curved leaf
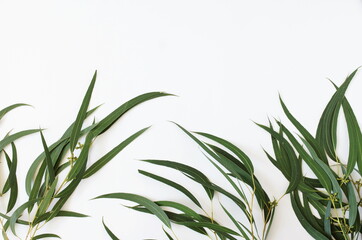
x=110, y=233
x=151, y=206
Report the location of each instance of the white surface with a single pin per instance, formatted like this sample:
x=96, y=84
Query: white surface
x=226, y=60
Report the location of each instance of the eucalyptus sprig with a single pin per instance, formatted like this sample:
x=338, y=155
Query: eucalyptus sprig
x=238, y=171
x=328, y=204
x=57, y=172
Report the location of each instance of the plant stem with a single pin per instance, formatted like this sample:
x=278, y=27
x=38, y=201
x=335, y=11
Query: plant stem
x=3, y=230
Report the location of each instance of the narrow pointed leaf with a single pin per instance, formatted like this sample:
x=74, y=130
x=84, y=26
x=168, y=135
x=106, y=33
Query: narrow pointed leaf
x=13, y=180
x=353, y=205
x=111, y=154
x=81, y=162
x=4, y=111
x=191, y=172
x=308, y=137
x=151, y=206
x=17, y=213
x=110, y=233
x=325, y=133
x=44, y=204
x=48, y=160
x=61, y=213
x=307, y=226
x=186, y=210
x=240, y=154
x=45, y=235
x=172, y=184
x=11, y=138
x=82, y=113
x=167, y=234
x=327, y=220
x=217, y=228
x=58, y=144
x=108, y=121
x=241, y=230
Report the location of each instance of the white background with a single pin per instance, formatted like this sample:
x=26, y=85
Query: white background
x=227, y=60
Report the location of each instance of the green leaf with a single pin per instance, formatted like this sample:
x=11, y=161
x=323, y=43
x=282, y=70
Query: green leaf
x=54, y=147
x=319, y=168
x=233, y=184
x=290, y=165
x=34, y=168
x=172, y=184
x=355, y=138
x=12, y=180
x=4, y=111
x=327, y=220
x=188, y=211
x=82, y=113
x=327, y=170
x=108, y=121
x=298, y=210
x=217, y=228
x=190, y=172
x=81, y=162
x=45, y=235
x=243, y=175
x=110, y=233
x=308, y=137
x=48, y=160
x=326, y=127
x=37, y=182
x=167, y=234
x=11, y=138
x=352, y=203
x=177, y=218
x=19, y=221
x=151, y=206
x=17, y=213
x=111, y=154
x=241, y=230
x=61, y=213
x=44, y=204
x=6, y=187
x=234, y=149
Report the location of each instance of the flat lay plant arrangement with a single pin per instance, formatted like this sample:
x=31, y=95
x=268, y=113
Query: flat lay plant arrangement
x=324, y=188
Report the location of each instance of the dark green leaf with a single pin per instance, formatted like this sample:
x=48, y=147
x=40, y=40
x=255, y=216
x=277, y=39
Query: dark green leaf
x=14, y=217
x=298, y=210
x=45, y=235
x=172, y=184
x=11, y=138
x=4, y=111
x=153, y=207
x=240, y=154
x=108, y=121
x=191, y=172
x=48, y=160
x=82, y=113
x=12, y=180
x=110, y=233
x=111, y=154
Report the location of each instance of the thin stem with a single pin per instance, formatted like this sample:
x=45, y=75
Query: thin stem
x=174, y=234
x=3, y=229
x=212, y=217
x=339, y=222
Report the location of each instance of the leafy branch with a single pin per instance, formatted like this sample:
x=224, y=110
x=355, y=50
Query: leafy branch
x=57, y=172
